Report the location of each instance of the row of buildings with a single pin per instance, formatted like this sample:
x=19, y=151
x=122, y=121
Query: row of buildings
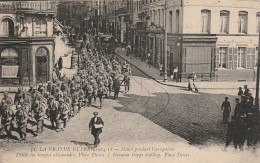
x=204, y=36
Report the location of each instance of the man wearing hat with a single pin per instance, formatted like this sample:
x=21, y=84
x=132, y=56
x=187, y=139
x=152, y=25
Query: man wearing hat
x=96, y=124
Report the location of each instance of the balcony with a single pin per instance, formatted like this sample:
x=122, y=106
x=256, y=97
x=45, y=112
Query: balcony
x=29, y=6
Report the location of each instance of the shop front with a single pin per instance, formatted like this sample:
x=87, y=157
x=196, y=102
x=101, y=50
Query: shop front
x=26, y=62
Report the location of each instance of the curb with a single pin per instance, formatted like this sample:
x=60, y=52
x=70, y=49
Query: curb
x=171, y=85
x=149, y=75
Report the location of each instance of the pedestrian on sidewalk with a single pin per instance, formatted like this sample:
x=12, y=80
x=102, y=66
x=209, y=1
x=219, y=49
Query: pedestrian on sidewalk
x=175, y=74
x=148, y=59
x=161, y=70
x=95, y=125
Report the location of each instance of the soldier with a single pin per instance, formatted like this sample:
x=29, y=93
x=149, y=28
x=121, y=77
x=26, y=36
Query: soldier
x=21, y=116
x=7, y=118
x=18, y=96
x=126, y=81
x=63, y=112
x=226, y=110
x=39, y=112
x=89, y=94
x=75, y=99
x=27, y=98
x=31, y=89
x=49, y=86
x=100, y=93
x=116, y=87
x=110, y=84
x=53, y=112
x=8, y=100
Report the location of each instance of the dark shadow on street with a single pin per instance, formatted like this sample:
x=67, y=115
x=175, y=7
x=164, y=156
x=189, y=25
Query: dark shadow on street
x=196, y=118
x=82, y=143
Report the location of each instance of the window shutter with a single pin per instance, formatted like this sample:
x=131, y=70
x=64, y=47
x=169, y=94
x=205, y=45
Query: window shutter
x=235, y=58
x=230, y=58
x=218, y=49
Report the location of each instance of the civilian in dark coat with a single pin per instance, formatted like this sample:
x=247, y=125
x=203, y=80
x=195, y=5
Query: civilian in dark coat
x=95, y=130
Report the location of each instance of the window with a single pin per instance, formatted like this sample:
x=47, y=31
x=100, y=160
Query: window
x=7, y=27
x=205, y=21
x=222, y=60
x=170, y=21
x=9, y=63
x=40, y=27
x=224, y=21
x=242, y=22
x=257, y=22
x=241, y=57
x=177, y=21
x=159, y=17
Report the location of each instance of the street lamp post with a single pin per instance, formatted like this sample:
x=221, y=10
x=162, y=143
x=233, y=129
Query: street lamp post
x=165, y=41
x=115, y=25
x=257, y=76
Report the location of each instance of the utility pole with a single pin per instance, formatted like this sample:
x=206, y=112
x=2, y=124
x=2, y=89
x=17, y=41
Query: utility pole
x=165, y=42
x=257, y=76
x=115, y=28
x=98, y=16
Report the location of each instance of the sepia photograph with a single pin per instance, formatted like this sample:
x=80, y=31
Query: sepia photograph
x=134, y=81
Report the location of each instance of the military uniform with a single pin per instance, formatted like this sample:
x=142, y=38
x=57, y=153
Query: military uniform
x=21, y=118
x=116, y=87
x=39, y=112
x=7, y=118
x=53, y=112
x=63, y=111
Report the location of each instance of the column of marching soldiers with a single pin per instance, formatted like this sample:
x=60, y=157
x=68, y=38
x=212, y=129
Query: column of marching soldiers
x=63, y=98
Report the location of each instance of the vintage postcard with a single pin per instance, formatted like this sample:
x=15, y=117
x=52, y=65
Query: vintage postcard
x=129, y=81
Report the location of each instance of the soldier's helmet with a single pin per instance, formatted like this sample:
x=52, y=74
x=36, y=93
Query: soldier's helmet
x=18, y=106
x=37, y=102
x=3, y=102
x=21, y=101
x=245, y=86
x=61, y=100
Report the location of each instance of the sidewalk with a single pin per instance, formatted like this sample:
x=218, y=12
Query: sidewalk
x=155, y=75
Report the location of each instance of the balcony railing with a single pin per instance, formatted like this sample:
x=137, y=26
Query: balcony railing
x=46, y=6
